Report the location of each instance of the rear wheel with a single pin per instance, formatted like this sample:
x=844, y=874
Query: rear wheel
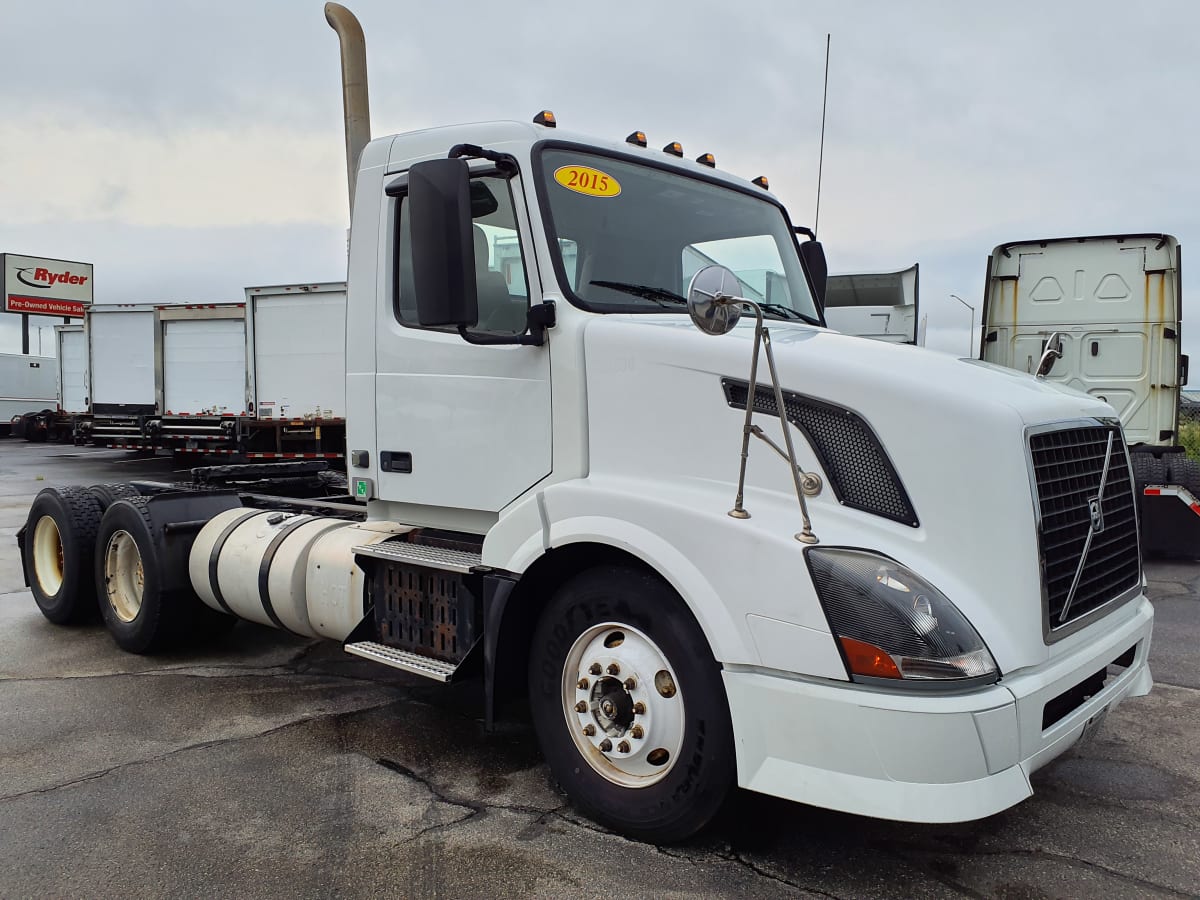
x=107, y=494
x=59, y=539
x=629, y=705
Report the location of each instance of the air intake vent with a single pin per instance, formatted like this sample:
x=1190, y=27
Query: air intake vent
x=858, y=468
x=1067, y=467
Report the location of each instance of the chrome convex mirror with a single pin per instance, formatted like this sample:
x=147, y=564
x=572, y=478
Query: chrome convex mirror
x=710, y=315
x=715, y=307
x=1052, y=352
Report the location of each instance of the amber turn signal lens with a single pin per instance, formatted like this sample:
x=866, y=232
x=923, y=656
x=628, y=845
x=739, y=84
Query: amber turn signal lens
x=867, y=659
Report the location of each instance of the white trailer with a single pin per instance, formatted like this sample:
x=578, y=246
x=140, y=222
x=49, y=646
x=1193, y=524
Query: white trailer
x=883, y=306
x=547, y=458
x=28, y=384
x=296, y=344
x=259, y=380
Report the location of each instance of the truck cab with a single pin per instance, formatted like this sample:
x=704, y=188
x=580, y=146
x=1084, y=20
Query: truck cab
x=850, y=576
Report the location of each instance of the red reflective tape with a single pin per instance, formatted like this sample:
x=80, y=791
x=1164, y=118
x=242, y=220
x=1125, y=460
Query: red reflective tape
x=1152, y=492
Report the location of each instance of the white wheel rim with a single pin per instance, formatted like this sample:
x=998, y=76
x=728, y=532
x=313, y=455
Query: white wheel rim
x=124, y=577
x=48, y=561
x=623, y=705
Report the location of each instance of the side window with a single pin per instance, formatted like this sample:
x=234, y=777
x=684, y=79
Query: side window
x=500, y=279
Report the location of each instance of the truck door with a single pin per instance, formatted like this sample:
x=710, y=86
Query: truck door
x=1114, y=301
x=461, y=425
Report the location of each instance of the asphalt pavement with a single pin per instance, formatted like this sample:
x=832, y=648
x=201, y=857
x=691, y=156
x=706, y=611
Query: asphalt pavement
x=268, y=766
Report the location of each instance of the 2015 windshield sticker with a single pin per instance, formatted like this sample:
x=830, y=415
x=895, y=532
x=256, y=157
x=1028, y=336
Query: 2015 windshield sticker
x=586, y=180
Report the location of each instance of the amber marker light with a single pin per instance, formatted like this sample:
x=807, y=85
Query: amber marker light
x=637, y=138
x=707, y=159
x=545, y=117
x=674, y=148
x=867, y=659
x=762, y=182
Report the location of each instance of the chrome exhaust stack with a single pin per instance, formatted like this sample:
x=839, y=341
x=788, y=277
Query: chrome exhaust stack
x=356, y=107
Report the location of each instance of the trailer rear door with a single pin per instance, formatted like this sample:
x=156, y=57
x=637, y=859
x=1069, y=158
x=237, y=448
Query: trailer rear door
x=121, y=359
x=72, y=368
x=203, y=362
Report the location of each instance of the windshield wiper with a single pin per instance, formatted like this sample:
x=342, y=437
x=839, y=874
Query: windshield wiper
x=645, y=291
x=787, y=312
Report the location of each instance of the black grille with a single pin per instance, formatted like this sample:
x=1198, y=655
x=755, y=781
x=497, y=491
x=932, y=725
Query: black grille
x=1067, y=467
x=859, y=470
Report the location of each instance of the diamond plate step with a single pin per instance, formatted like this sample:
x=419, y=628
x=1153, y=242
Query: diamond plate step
x=437, y=669
x=420, y=555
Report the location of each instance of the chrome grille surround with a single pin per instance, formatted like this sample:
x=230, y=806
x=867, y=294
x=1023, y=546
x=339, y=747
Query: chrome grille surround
x=1065, y=462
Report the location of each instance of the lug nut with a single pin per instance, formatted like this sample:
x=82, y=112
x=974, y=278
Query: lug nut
x=614, y=669
x=589, y=730
x=605, y=745
x=581, y=706
x=584, y=684
x=639, y=708
x=595, y=669
x=630, y=684
x=637, y=732
x=623, y=747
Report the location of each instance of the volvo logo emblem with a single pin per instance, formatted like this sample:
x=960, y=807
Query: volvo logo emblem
x=1096, y=511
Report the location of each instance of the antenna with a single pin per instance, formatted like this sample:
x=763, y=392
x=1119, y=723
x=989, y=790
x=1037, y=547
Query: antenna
x=821, y=157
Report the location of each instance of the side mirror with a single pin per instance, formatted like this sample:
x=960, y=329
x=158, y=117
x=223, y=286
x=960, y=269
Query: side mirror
x=443, y=251
x=813, y=256
x=1052, y=351
x=712, y=300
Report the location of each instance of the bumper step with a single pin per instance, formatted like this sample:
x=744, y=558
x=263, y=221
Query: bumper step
x=461, y=561
x=427, y=666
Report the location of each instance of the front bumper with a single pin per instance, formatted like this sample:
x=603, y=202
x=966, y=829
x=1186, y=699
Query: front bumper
x=924, y=757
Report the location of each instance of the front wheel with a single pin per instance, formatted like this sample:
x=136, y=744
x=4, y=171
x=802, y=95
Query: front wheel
x=629, y=705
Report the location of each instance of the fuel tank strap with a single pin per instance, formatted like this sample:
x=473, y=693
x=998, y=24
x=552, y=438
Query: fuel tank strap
x=215, y=555
x=264, y=568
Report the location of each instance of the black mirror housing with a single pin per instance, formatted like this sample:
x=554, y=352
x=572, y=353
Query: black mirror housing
x=443, y=252
x=812, y=254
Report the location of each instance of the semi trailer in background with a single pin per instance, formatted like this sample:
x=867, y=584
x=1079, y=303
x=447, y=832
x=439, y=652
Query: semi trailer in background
x=260, y=379
x=884, y=306
x=1103, y=315
x=28, y=394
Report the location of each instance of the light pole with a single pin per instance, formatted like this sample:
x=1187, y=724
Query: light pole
x=971, y=328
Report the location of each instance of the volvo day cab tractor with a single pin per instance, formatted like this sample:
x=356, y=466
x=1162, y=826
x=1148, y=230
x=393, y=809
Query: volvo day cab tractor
x=713, y=543
x=1103, y=315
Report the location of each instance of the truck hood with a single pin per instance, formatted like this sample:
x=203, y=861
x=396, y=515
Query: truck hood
x=954, y=431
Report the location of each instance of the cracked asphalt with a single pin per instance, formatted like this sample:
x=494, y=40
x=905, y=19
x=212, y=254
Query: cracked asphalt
x=266, y=766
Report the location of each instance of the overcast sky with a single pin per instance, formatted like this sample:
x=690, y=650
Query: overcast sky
x=191, y=148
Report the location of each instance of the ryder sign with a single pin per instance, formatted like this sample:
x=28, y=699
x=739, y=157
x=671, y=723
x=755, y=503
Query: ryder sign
x=45, y=287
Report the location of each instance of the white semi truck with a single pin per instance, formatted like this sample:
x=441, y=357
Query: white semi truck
x=1109, y=311
x=915, y=583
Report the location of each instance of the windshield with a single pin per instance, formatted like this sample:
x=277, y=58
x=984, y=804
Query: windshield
x=630, y=237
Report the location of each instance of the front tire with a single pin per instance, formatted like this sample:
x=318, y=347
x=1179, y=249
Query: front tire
x=629, y=705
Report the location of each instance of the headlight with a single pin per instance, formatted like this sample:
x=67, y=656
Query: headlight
x=892, y=623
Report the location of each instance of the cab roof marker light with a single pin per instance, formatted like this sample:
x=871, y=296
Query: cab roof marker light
x=674, y=148
x=637, y=138
x=545, y=117
x=761, y=181
x=707, y=159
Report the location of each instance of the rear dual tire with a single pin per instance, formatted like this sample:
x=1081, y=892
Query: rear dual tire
x=59, y=544
x=141, y=614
